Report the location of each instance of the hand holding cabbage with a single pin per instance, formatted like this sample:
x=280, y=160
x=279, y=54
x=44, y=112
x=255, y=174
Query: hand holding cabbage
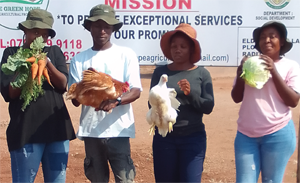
x=254, y=72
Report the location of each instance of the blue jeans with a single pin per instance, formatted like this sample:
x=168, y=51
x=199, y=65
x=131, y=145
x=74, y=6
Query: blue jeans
x=179, y=159
x=25, y=161
x=268, y=154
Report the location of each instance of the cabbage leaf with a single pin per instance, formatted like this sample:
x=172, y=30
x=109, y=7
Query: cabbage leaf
x=17, y=65
x=254, y=72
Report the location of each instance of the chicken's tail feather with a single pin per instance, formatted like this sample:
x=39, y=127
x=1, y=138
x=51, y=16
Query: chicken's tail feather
x=174, y=102
x=163, y=132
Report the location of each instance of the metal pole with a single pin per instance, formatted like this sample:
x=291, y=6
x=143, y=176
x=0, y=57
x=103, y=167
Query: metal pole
x=298, y=164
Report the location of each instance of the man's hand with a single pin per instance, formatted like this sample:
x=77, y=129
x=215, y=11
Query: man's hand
x=107, y=105
x=75, y=102
x=92, y=69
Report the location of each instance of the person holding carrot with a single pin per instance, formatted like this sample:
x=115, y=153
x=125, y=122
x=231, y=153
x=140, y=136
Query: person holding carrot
x=41, y=132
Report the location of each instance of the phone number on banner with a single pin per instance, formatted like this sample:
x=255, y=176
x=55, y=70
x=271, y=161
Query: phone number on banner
x=73, y=44
x=67, y=44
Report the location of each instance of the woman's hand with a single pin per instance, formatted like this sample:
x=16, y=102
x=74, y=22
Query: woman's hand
x=287, y=94
x=58, y=79
x=185, y=86
x=269, y=63
x=47, y=60
x=237, y=92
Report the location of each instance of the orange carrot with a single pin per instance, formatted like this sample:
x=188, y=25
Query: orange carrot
x=31, y=59
x=42, y=65
x=45, y=73
x=34, y=70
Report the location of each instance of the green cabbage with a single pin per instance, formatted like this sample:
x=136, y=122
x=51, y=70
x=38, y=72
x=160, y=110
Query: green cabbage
x=254, y=72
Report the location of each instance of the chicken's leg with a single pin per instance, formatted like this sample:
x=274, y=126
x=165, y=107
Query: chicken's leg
x=170, y=127
x=152, y=129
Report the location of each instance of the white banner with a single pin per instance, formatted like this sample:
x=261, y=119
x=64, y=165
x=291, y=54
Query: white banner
x=224, y=27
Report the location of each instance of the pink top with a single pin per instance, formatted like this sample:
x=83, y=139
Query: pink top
x=263, y=111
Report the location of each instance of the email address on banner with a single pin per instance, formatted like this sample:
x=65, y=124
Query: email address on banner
x=152, y=58
x=204, y=58
x=214, y=58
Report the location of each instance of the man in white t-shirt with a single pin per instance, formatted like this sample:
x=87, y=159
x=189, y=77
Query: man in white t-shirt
x=106, y=135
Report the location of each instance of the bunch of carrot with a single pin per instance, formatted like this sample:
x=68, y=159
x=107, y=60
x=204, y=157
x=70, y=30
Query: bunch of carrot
x=38, y=68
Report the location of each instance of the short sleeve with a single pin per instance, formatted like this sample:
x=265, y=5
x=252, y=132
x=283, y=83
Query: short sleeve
x=132, y=70
x=60, y=60
x=73, y=72
x=293, y=78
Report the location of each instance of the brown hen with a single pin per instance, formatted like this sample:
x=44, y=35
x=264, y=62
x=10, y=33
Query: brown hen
x=96, y=87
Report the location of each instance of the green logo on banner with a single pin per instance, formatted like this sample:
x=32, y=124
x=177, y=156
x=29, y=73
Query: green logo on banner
x=277, y=4
x=22, y=1
x=14, y=11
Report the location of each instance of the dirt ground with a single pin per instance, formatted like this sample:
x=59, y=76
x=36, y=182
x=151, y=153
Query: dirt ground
x=220, y=126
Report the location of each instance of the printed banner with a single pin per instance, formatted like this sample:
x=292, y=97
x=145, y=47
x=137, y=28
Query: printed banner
x=224, y=28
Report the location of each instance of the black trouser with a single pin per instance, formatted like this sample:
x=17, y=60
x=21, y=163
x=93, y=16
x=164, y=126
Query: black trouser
x=116, y=151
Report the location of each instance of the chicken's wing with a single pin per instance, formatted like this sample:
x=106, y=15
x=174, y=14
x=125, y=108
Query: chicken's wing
x=93, y=80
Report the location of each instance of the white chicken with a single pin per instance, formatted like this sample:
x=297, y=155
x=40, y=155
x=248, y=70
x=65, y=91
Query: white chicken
x=164, y=104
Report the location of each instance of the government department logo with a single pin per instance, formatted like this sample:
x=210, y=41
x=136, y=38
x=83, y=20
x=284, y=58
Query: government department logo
x=277, y=4
x=14, y=11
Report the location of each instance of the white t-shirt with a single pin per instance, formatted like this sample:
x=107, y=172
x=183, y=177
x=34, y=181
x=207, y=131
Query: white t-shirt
x=120, y=63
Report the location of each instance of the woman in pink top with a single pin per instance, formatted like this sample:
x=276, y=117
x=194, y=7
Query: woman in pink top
x=266, y=136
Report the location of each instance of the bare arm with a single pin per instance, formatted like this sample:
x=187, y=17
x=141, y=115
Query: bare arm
x=288, y=95
x=131, y=96
x=127, y=98
x=237, y=92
